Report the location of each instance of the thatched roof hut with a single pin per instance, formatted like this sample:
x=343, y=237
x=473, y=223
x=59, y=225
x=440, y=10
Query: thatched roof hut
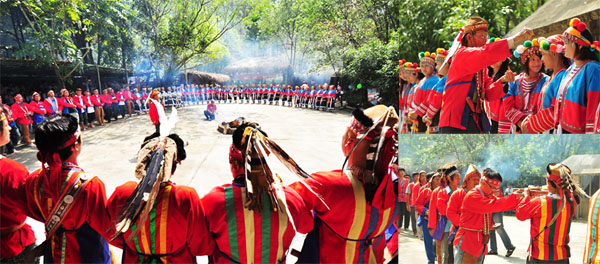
x=205, y=77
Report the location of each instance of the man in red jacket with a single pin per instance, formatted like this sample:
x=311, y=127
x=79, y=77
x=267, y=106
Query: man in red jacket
x=476, y=222
x=22, y=116
x=107, y=105
x=468, y=84
x=157, y=109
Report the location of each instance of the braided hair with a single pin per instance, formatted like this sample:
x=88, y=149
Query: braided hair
x=566, y=184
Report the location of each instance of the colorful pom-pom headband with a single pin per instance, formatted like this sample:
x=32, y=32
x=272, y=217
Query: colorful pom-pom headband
x=427, y=58
x=573, y=33
x=528, y=49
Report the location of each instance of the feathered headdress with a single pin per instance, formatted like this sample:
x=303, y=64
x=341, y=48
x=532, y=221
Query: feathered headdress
x=259, y=179
x=154, y=166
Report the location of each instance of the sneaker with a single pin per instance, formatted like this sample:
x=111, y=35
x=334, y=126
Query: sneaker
x=31, y=145
x=510, y=251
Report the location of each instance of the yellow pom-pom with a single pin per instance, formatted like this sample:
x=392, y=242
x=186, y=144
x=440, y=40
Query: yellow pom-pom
x=427, y=53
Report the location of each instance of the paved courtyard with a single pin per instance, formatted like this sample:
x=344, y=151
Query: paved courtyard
x=312, y=138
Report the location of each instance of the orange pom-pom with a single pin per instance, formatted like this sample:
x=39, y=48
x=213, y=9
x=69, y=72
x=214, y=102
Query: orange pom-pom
x=535, y=42
x=574, y=22
x=553, y=47
x=433, y=55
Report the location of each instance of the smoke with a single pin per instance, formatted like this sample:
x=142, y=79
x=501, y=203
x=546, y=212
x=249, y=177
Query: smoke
x=273, y=57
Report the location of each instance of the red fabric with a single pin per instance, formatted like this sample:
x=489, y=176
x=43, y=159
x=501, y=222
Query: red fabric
x=474, y=207
x=493, y=109
x=35, y=107
x=65, y=102
x=20, y=113
x=211, y=107
x=96, y=100
x=465, y=64
x=186, y=234
x=120, y=96
x=433, y=208
x=414, y=193
x=76, y=101
x=12, y=200
x=422, y=199
x=442, y=202
x=219, y=218
x=89, y=207
x=454, y=206
x=153, y=114
x=350, y=216
x=48, y=106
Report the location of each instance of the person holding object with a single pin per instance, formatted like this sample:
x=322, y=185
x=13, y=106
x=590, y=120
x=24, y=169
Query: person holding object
x=551, y=216
x=468, y=84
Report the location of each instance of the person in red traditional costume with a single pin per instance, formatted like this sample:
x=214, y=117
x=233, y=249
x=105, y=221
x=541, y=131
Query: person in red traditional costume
x=578, y=95
x=97, y=102
x=468, y=84
x=157, y=109
x=51, y=104
x=358, y=203
x=524, y=92
x=412, y=197
x=22, y=116
x=37, y=108
x=431, y=118
x=17, y=238
x=413, y=76
x=423, y=89
x=553, y=56
x=256, y=219
x=71, y=203
x=80, y=109
x=436, y=224
x=157, y=220
x=453, y=211
x=89, y=108
x=107, y=105
x=445, y=254
x=551, y=216
x=478, y=205
x=423, y=204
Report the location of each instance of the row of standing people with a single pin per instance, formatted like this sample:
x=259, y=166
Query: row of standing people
x=471, y=88
x=322, y=97
x=460, y=220
x=331, y=216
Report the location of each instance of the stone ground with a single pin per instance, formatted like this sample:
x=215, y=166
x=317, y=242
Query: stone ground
x=312, y=138
x=412, y=250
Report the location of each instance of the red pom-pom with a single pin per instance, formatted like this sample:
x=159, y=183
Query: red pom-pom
x=415, y=64
x=581, y=26
x=433, y=55
x=553, y=47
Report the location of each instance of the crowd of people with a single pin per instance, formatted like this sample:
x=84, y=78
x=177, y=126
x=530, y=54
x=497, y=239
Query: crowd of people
x=339, y=216
x=456, y=221
x=97, y=108
x=470, y=88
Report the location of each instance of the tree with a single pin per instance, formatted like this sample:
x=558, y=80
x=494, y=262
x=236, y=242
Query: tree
x=51, y=22
x=183, y=32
